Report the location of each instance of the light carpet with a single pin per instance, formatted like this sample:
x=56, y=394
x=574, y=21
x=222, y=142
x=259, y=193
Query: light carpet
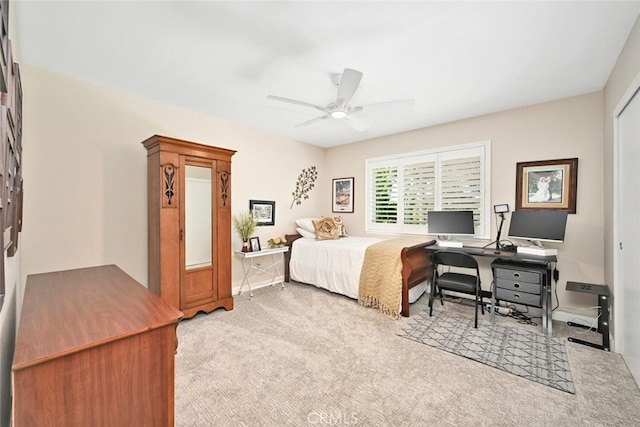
x=524, y=353
x=306, y=357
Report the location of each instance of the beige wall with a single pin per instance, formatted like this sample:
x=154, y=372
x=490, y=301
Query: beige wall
x=85, y=172
x=566, y=128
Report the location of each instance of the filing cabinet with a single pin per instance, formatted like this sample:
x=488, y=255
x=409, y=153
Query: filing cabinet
x=519, y=282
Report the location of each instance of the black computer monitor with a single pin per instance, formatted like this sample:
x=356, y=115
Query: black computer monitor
x=450, y=223
x=538, y=226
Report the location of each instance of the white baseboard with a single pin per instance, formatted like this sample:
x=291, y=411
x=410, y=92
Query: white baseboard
x=257, y=285
x=563, y=316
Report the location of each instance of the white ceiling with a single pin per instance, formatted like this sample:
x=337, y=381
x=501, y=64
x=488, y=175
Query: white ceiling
x=455, y=59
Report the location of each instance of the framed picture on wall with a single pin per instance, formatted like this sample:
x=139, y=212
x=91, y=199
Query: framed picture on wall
x=547, y=185
x=263, y=211
x=342, y=199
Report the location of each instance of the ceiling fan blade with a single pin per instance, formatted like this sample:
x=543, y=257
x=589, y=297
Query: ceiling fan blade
x=357, y=123
x=348, y=85
x=294, y=101
x=312, y=121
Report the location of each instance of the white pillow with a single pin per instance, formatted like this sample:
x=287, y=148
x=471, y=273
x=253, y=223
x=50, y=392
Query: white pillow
x=305, y=233
x=306, y=224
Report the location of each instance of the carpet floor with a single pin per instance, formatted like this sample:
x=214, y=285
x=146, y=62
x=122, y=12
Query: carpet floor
x=305, y=357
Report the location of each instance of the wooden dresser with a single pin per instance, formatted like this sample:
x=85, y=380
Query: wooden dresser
x=94, y=348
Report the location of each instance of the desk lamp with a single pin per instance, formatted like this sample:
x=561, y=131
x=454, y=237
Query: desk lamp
x=500, y=209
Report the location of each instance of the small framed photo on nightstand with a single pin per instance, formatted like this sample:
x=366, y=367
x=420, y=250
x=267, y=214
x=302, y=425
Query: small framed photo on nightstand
x=254, y=242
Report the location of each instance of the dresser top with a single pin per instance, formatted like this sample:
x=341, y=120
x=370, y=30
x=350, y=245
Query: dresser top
x=68, y=311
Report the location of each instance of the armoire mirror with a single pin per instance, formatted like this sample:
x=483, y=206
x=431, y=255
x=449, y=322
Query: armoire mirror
x=198, y=217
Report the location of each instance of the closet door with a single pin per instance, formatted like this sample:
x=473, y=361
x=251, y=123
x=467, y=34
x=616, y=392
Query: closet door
x=198, y=233
x=627, y=291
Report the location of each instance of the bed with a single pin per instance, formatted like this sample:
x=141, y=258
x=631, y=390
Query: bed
x=336, y=265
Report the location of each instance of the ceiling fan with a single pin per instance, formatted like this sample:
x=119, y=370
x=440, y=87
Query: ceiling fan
x=341, y=109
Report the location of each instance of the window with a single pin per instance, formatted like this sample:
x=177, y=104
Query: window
x=401, y=189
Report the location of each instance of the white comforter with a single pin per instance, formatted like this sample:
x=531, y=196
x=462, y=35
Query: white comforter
x=334, y=265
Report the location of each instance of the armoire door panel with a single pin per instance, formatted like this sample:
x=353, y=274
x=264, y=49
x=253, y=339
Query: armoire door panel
x=224, y=262
x=198, y=287
x=223, y=227
x=169, y=189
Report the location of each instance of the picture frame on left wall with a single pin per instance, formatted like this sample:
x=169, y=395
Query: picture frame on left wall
x=263, y=211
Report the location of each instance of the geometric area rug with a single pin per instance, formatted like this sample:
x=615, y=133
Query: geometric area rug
x=526, y=354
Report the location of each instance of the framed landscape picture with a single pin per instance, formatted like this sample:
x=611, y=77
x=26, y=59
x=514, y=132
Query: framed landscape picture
x=263, y=211
x=342, y=200
x=547, y=185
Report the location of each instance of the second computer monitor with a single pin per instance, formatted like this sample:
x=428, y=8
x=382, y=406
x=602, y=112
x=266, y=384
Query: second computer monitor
x=538, y=225
x=450, y=223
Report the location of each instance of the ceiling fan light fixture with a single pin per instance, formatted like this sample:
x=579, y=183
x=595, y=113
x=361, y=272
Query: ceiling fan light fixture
x=347, y=82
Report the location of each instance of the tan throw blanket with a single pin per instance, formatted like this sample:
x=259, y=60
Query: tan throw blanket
x=381, y=276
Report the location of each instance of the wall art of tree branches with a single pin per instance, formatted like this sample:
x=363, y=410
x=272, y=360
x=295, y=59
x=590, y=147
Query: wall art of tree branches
x=305, y=183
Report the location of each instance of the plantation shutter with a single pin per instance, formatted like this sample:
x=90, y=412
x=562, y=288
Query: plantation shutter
x=419, y=191
x=384, y=197
x=402, y=189
x=461, y=185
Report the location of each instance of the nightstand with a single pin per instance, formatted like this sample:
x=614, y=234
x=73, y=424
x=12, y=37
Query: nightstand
x=253, y=266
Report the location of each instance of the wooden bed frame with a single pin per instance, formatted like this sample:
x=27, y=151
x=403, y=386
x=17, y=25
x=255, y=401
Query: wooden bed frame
x=416, y=266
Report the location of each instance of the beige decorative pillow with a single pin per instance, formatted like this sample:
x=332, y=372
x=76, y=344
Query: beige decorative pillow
x=342, y=231
x=326, y=229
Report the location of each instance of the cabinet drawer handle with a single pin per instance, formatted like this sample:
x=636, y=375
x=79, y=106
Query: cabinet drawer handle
x=516, y=285
x=516, y=274
x=516, y=296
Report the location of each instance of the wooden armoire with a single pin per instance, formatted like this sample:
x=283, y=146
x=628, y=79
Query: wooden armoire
x=189, y=196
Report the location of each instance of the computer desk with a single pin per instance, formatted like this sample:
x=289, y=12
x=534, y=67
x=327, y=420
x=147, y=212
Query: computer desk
x=546, y=265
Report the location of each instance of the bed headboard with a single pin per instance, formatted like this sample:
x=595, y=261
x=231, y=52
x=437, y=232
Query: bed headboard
x=290, y=238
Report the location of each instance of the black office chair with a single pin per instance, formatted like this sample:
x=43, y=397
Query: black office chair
x=455, y=281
